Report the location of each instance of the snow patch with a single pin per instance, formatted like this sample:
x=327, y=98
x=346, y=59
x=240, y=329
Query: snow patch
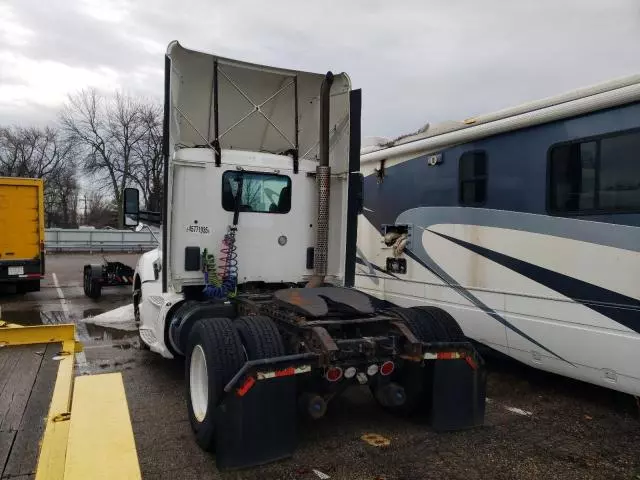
x=121, y=318
x=519, y=411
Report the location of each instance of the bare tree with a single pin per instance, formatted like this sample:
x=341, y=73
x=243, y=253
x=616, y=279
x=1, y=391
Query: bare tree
x=84, y=120
x=61, y=198
x=252, y=194
x=100, y=211
x=43, y=153
x=112, y=132
x=33, y=152
x=148, y=167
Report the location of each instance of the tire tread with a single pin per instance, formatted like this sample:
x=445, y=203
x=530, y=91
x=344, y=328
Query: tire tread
x=446, y=322
x=260, y=336
x=223, y=351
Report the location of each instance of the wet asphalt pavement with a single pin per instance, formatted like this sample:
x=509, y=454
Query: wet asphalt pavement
x=537, y=425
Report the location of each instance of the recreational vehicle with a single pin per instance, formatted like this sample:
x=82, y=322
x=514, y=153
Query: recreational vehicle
x=523, y=224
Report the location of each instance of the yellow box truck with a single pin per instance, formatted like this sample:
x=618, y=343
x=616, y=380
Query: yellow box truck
x=22, y=232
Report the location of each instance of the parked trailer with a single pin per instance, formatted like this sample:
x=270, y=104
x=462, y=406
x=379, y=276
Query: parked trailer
x=106, y=274
x=524, y=225
x=252, y=281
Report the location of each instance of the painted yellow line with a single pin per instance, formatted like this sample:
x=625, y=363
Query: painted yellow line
x=54, y=441
x=12, y=334
x=101, y=443
x=376, y=440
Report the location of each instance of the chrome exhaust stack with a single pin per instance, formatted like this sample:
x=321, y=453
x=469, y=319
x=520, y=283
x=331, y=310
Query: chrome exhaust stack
x=323, y=182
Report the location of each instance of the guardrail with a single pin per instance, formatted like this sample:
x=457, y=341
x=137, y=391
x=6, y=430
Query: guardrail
x=72, y=240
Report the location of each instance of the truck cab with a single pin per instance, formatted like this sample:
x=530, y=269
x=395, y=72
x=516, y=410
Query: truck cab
x=226, y=120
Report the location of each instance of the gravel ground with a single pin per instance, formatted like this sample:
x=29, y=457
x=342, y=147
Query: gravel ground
x=566, y=430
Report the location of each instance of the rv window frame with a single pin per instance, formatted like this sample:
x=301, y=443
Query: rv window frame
x=593, y=211
x=476, y=179
x=254, y=172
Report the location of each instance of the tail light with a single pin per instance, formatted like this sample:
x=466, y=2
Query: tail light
x=333, y=374
x=387, y=368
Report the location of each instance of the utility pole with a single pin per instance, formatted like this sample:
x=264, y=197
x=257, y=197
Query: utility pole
x=84, y=199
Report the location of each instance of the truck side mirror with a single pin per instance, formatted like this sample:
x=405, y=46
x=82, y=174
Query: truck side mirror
x=131, y=207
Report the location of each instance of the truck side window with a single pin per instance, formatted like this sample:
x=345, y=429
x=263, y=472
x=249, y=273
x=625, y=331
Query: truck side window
x=472, y=169
x=261, y=192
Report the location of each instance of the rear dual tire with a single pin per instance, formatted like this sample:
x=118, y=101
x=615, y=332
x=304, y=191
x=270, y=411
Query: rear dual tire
x=214, y=356
x=448, y=328
x=428, y=324
x=260, y=337
x=216, y=350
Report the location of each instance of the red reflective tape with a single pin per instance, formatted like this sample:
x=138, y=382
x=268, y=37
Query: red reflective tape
x=246, y=386
x=445, y=355
x=471, y=362
x=286, y=372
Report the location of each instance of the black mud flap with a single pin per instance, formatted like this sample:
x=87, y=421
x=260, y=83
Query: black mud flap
x=259, y=427
x=458, y=395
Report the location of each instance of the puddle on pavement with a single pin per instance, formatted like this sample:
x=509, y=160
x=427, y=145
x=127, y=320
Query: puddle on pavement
x=92, y=312
x=99, y=333
x=33, y=317
x=85, y=331
x=106, y=334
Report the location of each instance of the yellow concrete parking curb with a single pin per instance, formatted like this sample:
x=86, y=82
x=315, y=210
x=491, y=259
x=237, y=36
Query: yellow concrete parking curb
x=88, y=433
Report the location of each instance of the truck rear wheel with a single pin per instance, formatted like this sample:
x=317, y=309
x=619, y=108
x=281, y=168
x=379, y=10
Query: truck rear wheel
x=260, y=337
x=446, y=321
x=412, y=375
x=214, y=356
x=421, y=324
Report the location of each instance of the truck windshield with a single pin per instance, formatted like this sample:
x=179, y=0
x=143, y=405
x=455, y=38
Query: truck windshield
x=261, y=192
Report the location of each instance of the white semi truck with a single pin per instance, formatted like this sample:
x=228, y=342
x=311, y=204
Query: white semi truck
x=252, y=281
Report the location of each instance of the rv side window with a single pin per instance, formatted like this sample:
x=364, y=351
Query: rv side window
x=261, y=192
x=473, y=179
x=619, y=173
x=573, y=177
x=596, y=176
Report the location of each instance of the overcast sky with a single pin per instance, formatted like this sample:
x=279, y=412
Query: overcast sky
x=416, y=61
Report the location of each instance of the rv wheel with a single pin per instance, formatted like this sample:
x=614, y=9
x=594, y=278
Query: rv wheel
x=214, y=355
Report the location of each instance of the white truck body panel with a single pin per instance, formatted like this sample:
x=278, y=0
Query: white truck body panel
x=262, y=113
